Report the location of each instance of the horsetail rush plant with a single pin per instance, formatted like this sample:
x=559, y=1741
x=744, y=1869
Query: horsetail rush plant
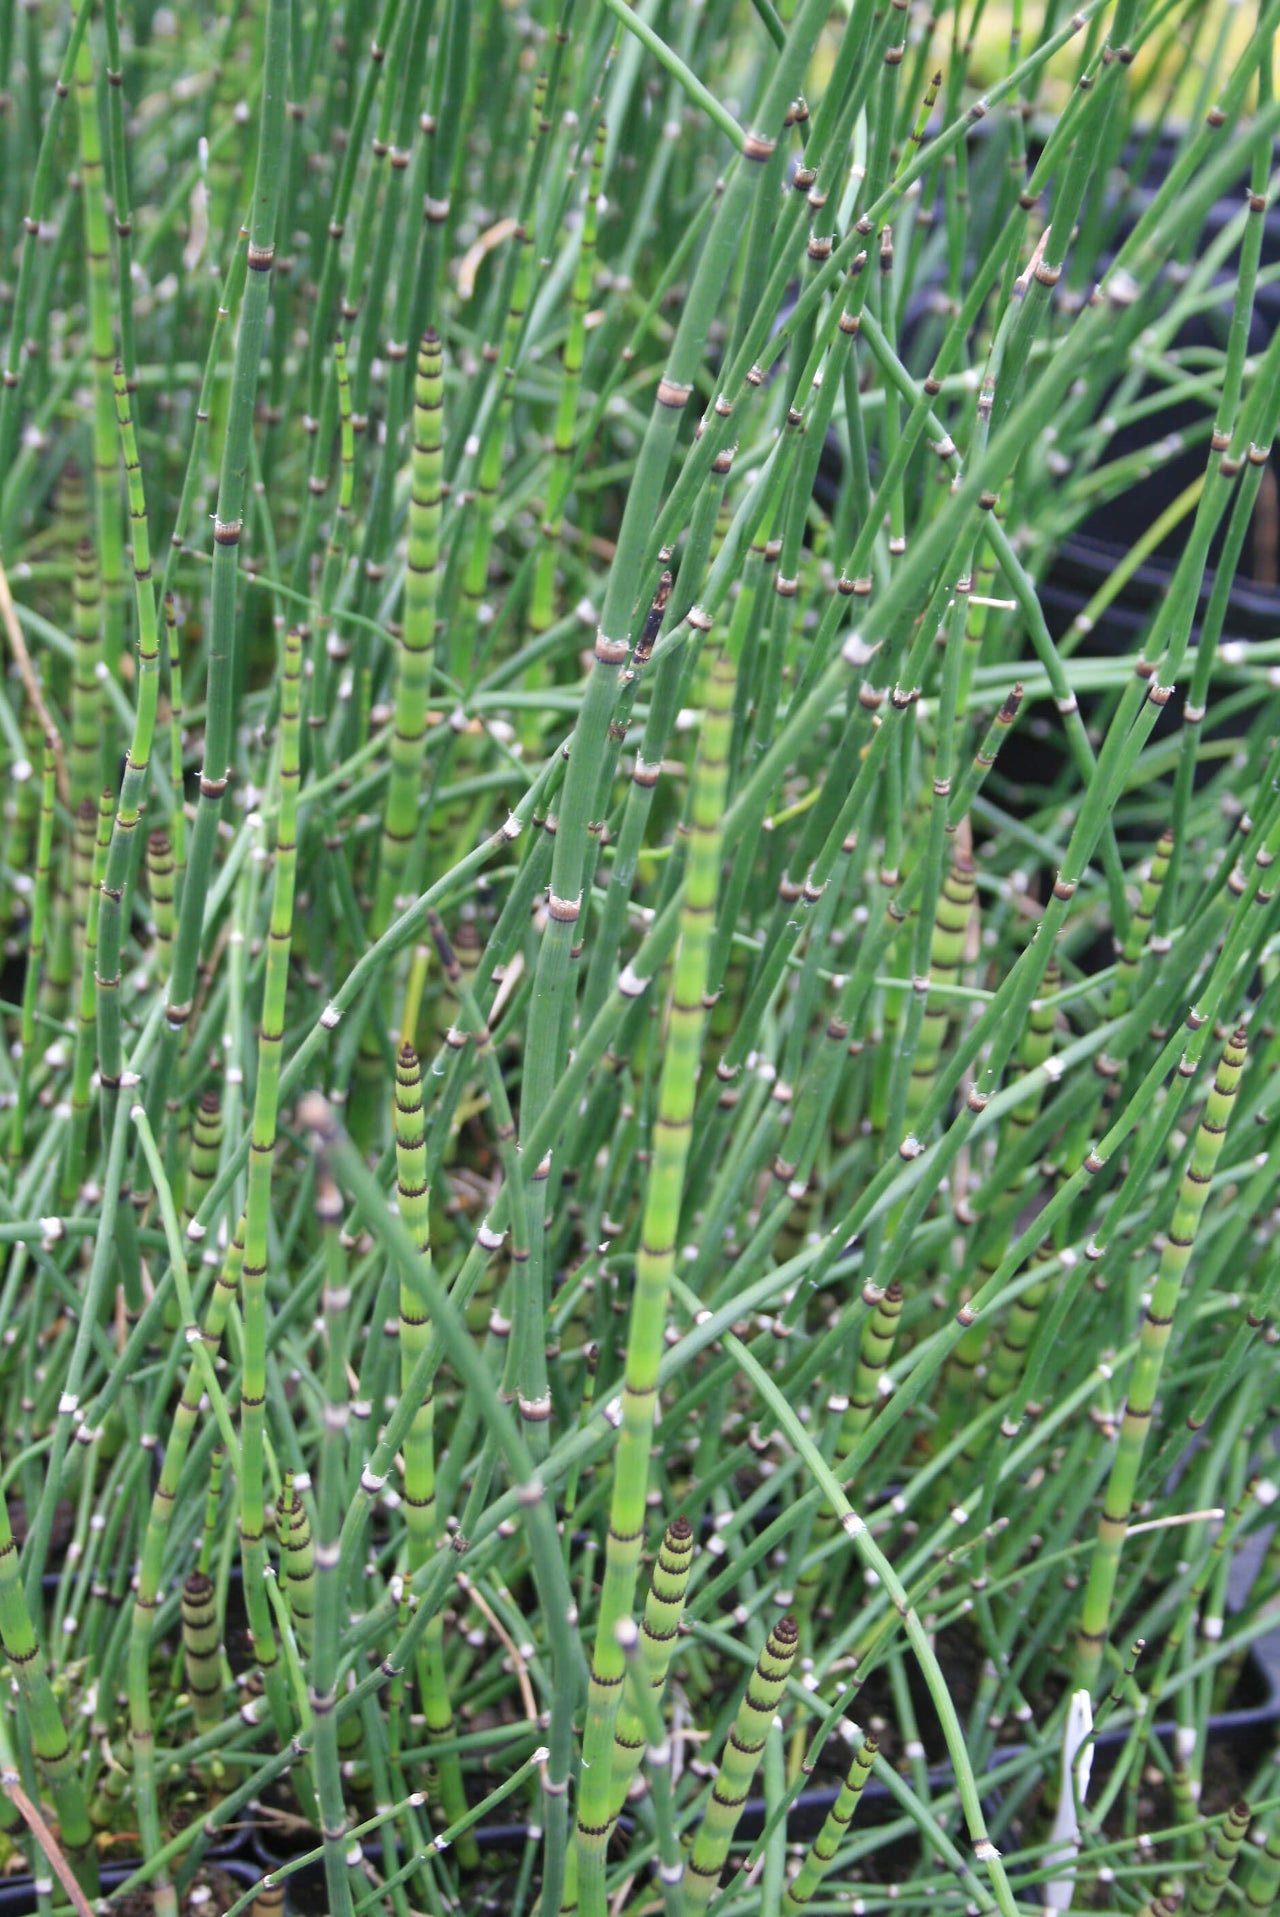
x=624, y=1281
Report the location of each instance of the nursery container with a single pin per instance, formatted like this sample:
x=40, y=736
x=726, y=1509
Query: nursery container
x=1250, y=1725
x=18, y=1895
x=1240, y=1735
x=1089, y=555
x=1237, y=1741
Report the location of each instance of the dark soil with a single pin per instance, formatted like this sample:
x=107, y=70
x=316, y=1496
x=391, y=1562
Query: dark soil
x=60, y=1536
x=1230, y=1763
x=960, y=1654
x=961, y=1657
x=212, y=1893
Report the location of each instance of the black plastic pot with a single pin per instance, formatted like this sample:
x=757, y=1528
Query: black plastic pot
x=18, y=1895
x=1247, y=1731
x=1252, y=1726
x=1254, y=608
x=1089, y=555
x=1237, y=1739
x=229, y=1851
x=305, y=1889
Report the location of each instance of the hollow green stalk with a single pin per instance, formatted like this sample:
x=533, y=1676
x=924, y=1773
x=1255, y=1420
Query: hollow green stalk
x=1208, y=1886
x=821, y=1853
x=663, y=1608
x=1129, y=955
x=202, y=1650
x=1135, y=715
x=413, y=1192
x=393, y=143
x=11, y=1823
x=591, y=745
x=193, y=477
x=657, y=1762
x=298, y=1554
x=318, y=395
x=87, y=1013
x=1262, y=1885
x=644, y=780
x=85, y=756
x=542, y=601
x=1242, y=318
x=86, y=827
x=253, y=1391
x=950, y=934
x=818, y=1095
x=529, y=1492
x=1010, y=1356
x=874, y=1559
x=1005, y=1364
x=524, y=1373
x=655, y=1262
x=1141, y=1399
x=160, y=882
x=1249, y=884
x=742, y=1753
x=323, y=1693
x=475, y=551
x=37, y=935
x=178, y=820
x=116, y=885
x=258, y=253
x=415, y=655
x=212, y=1509
x=23, y=347
x=419, y=292
x=416, y=650
x=22, y=810
x=147, y=1584
x=119, y=176
x=206, y=1147
x=329, y=647
x=399, y=935
x=102, y=353
x=875, y=1349
x=1036, y=1046
x=42, y=1720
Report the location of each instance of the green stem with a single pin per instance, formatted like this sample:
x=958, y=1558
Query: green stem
x=258, y=253
x=41, y=1717
x=416, y=650
x=102, y=352
x=422, y=1522
x=822, y=1852
x=253, y=1390
x=655, y=1264
x=663, y=1609
x=742, y=1753
x=1140, y=1402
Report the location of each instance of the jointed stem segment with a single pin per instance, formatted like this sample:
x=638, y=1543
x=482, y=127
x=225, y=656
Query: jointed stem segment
x=421, y=1516
x=1157, y=1325
x=743, y=1751
x=822, y=1851
x=663, y=1608
x=654, y=1263
x=416, y=651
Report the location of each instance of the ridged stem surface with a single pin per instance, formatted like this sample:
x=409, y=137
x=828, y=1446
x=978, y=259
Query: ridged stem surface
x=1140, y=1400
x=655, y=1262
